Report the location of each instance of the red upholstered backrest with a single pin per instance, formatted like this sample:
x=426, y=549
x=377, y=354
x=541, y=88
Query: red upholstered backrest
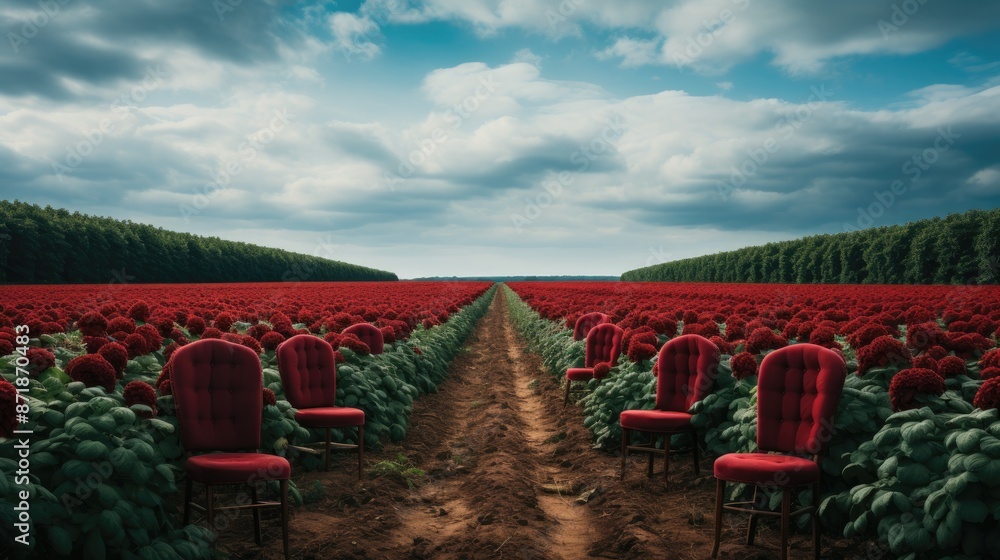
x=798, y=389
x=604, y=343
x=308, y=371
x=685, y=372
x=587, y=322
x=369, y=334
x=217, y=389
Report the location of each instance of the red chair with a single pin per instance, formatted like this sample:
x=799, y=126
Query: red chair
x=309, y=376
x=798, y=389
x=217, y=387
x=587, y=322
x=369, y=334
x=685, y=373
x=604, y=344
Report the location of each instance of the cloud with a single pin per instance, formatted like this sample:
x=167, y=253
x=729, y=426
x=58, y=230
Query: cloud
x=526, y=56
x=354, y=35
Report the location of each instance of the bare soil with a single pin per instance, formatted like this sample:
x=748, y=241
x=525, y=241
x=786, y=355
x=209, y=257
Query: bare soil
x=504, y=464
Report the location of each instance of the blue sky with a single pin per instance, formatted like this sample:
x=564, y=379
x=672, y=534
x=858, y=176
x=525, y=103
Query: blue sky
x=475, y=137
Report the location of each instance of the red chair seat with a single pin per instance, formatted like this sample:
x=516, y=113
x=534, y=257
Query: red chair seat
x=580, y=374
x=232, y=468
x=655, y=420
x=765, y=468
x=330, y=417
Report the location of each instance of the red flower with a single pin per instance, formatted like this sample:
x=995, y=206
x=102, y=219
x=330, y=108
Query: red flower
x=258, y=330
x=663, y=324
x=164, y=377
x=153, y=339
x=990, y=359
x=232, y=337
x=926, y=362
x=951, y=366
x=339, y=358
x=988, y=395
x=867, y=334
x=224, y=321
x=924, y=335
x=418, y=351
x=93, y=371
x=6, y=347
x=123, y=324
x=723, y=346
x=601, y=370
x=884, y=351
x=388, y=335
x=271, y=340
x=136, y=345
x=762, y=339
x=989, y=373
x=166, y=388
x=40, y=359
x=92, y=324
x=251, y=343
x=268, y=397
x=139, y=392
x=907, y=384
x=195, y=325
x=743, y=365
x=639, y=351
x=116, y=355
x=354, y=343
x=94, y=343
x=211, y=332
x=937, y=352
x=139, y=311
x=169, y=350
x=8, y=402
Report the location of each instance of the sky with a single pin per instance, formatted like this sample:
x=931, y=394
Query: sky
x=511, y=137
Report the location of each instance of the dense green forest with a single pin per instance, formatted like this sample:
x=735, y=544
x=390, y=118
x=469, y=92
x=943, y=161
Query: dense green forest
x=959, y=249
x=54, y=246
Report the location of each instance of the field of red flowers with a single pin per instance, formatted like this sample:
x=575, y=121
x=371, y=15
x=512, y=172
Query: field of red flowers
x=87, y=369
x=914, y=459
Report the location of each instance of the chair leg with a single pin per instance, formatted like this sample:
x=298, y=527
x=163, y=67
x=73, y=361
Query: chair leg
x=326, y=454
x=566, y=398
x=752, y=526
x=284, y=515
x=256, y=514
x=696, y=454
x=666, y=459
x=815, y=520
x=361, y=451
x=652, y=445
x=210, y=507
x=188, y=486
x=786, y=510
x=720, y=489
x=625, y=436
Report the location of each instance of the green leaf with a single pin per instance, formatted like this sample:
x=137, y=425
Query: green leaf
x=968, y=442
x=972, y=510
x=913, y=475
x=161, y=425
x=93, y=548
x=60, y=541
x=91, y=450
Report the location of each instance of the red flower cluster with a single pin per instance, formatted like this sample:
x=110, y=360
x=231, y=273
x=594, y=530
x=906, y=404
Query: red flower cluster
x=988, y=395
x=40, y=359
x=602, y=370
x=93, y=371
x=743, y=365
x=951, y=366
x=989, y=373
x=990, y=359
x=271, y=340
x=139, y=392
x=763, y=338
x=116, y=355
x=268, y=398
x=723, y=346
x=884, y=351
x=639, y=351
x=909, y=383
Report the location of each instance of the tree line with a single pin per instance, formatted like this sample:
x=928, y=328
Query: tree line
x=957, y=249
x=54, y=246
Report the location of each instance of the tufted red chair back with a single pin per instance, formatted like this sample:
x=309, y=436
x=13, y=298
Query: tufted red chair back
x=798, y=389
x=217, y=388
x=369, y=334
x=685, y=372
x=308, y=371
x=587, y=322
x=604, y=344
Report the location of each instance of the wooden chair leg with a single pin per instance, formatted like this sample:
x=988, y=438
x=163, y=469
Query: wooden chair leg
x=652, y=445
x=566, y=398
x=666, y=458
x=815, y=520
x=210, y=507
x=786, y=510
x=256, y=514
x=625, y=436
x=188, y=486
x=326, y=454
x=361, y=451
x=284, y=515
x=752, y=526
x=720, y=489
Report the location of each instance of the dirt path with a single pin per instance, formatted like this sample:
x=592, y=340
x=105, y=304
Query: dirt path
x=503, y=464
